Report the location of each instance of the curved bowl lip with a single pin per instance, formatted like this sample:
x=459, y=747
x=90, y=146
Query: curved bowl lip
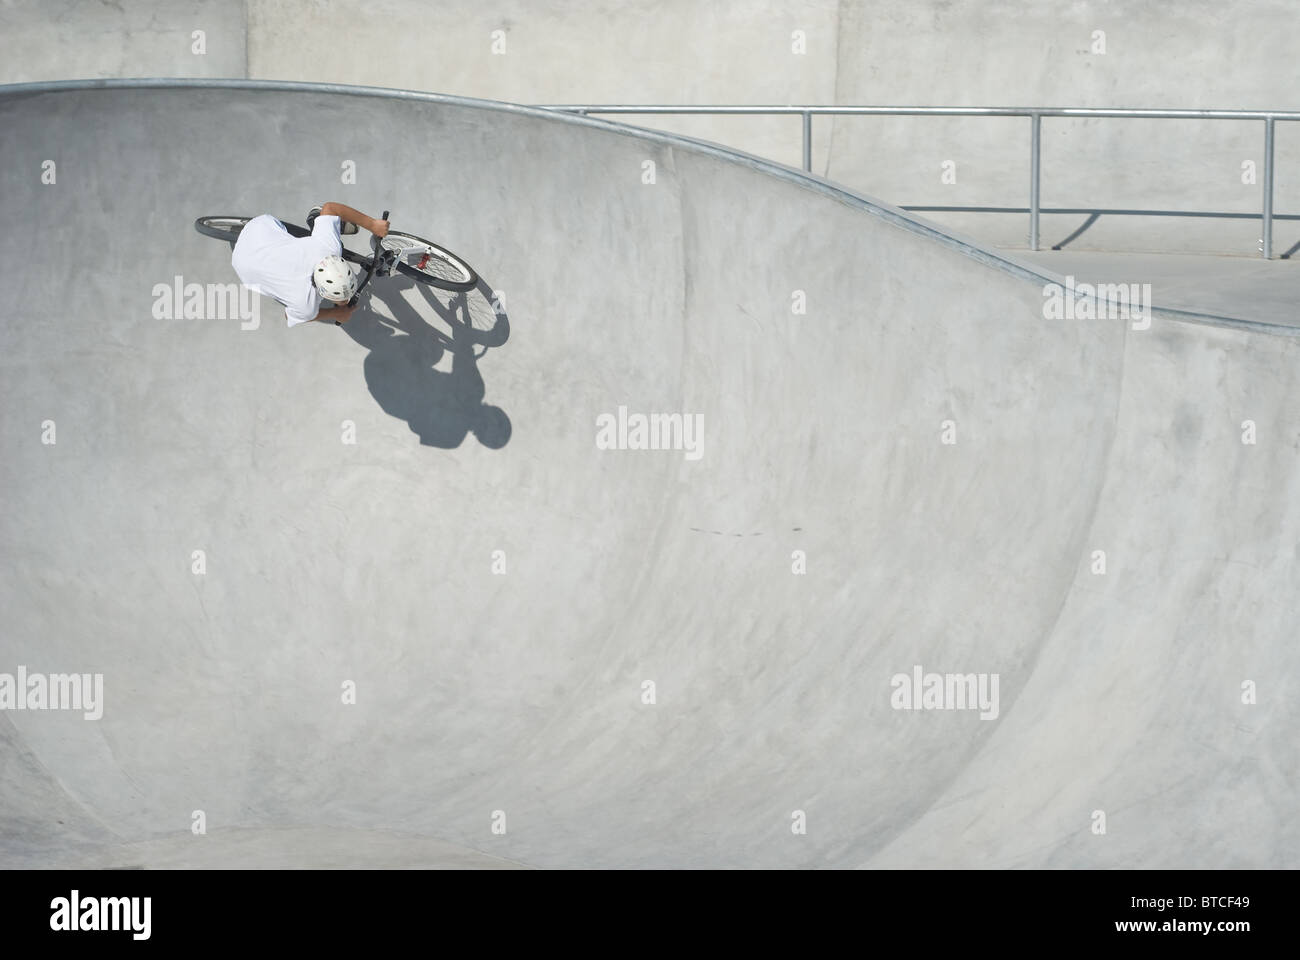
x=967, y=246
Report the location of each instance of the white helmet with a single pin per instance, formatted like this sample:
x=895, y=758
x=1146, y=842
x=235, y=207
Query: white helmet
x=335, y=280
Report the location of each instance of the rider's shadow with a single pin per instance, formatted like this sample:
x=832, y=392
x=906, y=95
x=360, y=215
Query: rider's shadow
x=442, y=407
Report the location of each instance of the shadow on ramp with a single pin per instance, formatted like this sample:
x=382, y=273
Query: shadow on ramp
x=441, y=406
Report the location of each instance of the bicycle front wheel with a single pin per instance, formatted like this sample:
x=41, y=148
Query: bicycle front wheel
x=429, y=263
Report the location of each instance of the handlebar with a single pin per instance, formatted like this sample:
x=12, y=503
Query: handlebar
x=374, y=241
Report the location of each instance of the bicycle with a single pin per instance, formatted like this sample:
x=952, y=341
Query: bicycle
x=420, y=259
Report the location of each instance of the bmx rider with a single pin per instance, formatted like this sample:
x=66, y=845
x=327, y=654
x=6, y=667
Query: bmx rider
x=303, y=274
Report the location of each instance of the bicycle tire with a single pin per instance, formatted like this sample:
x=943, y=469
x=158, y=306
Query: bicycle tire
x=221, y=228
x=436, y=265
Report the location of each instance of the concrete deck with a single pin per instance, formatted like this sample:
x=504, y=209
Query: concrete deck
x=1243, y=288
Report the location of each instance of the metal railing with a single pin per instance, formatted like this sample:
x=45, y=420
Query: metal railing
x=1035, y=115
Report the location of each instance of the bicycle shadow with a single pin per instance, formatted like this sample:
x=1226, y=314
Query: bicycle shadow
x=442, y=407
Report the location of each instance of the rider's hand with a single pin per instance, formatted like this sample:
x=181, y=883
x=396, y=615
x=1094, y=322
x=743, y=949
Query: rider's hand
x=380, y=228
x=340, y=314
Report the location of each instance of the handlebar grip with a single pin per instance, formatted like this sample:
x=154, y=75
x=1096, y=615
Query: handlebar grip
x=374, y=241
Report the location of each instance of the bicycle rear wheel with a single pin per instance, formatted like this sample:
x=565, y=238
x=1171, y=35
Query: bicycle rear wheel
x=429, y=263
x=222, y=228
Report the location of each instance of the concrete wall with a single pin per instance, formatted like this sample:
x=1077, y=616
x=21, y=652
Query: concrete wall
x=1229, y=54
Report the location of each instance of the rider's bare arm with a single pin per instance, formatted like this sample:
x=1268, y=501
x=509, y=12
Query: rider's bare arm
x=348, y=215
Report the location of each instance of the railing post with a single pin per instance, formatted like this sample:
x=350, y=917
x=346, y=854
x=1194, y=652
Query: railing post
x=1268, y=188
x=1035, y=155
x=807, y=141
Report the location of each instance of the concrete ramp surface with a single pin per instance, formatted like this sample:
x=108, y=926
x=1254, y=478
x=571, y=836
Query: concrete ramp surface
x=381, y=595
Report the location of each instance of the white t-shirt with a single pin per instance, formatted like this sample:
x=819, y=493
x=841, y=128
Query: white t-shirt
x=272, y=262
